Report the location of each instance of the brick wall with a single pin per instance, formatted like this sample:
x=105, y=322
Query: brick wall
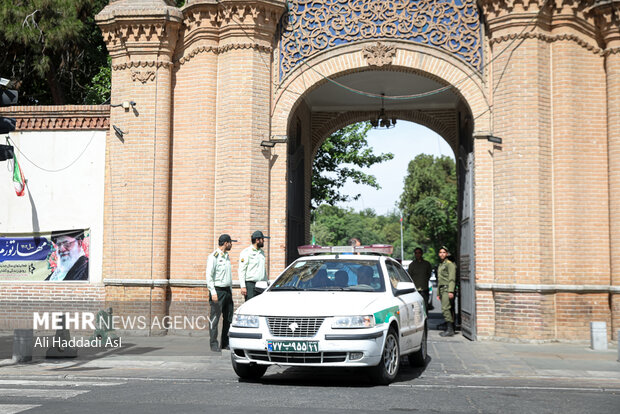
x=191, y=166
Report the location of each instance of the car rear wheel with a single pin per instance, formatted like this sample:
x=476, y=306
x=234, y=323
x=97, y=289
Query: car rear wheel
x=386, y=371
x=248, y=371
x=418, y=358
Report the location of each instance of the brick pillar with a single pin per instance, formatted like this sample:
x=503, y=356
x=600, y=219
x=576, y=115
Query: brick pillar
x=609, y=24
x=141, y=37
x=193, y=166
x=243, y=120
x=519, y=80
x=580, y=190
x=612, y=66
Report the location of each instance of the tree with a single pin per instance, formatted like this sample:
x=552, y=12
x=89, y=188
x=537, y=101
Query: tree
x=54, y=51
x=330, y=170
x=429, y=200
x=334, y=226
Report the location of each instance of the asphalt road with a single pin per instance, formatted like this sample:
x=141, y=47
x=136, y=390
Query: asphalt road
x=303, y=391
x=460, y=377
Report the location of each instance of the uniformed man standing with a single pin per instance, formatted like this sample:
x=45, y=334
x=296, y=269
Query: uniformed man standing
x=446, y=280
x=252, y=265
x=420, y=271
x=219, y=283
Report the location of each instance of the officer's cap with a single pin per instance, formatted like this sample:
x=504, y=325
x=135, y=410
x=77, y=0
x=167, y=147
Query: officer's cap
x=225, y=238
x=259, y=235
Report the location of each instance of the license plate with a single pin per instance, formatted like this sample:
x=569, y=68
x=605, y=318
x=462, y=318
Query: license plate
x=292, y=346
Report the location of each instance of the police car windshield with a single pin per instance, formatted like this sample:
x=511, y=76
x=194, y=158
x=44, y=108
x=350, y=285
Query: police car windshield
x=332, y=275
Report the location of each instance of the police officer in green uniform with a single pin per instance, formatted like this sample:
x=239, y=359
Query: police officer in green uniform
x=219, y=283
x=420, y=271
x=446, y=280
x=252, y=267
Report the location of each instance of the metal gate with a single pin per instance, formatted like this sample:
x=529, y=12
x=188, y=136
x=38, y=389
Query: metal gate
x=295, y=225
x=466, y=253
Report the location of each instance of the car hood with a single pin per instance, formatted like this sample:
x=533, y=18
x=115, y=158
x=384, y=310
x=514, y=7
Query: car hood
x=310, y=303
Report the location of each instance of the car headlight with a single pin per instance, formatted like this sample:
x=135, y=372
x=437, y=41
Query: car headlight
x=365, y=321
x=245, y=321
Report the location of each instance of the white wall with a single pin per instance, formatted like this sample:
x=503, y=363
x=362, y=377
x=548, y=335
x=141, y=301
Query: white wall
x=67, y=196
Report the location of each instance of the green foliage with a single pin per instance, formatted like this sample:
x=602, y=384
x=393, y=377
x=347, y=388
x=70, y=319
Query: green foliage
x=53, y=50
x=429, y=201
x=335, y=162
x=334, y=226
x=99, y=89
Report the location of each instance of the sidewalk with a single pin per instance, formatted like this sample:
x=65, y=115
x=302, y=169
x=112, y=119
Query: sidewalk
x=189, y=357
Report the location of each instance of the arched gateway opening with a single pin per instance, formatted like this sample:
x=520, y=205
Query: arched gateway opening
x=331, y=92
x=332, y=66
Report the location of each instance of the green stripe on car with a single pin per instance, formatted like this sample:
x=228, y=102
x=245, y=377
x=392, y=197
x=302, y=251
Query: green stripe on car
x=384, y=315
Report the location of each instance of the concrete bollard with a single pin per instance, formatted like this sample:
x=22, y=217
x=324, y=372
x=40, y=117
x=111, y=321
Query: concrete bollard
x=598, y=336
x=22, y=345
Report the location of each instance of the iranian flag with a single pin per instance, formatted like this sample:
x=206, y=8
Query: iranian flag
x=18, y=178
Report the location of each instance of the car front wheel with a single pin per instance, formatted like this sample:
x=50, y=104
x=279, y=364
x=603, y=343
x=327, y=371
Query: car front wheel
x=248, y=371
x=386, y=371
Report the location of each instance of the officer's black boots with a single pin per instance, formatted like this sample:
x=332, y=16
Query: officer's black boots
x=449, y=329
x=442, y=326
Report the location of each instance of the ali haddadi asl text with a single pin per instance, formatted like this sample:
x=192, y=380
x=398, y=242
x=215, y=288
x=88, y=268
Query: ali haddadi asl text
x=56, y=342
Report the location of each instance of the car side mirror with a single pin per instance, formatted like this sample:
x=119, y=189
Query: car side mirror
x=403, y=288
x=261, y=286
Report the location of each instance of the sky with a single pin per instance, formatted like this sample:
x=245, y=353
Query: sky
x=405, y=141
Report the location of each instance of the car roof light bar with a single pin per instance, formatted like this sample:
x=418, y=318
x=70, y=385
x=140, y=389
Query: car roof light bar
x=375, y=248
x=311, y=249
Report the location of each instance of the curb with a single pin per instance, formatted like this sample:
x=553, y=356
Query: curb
x=7, y=362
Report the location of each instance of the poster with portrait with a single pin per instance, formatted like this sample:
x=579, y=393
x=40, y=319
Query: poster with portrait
x=56, y=256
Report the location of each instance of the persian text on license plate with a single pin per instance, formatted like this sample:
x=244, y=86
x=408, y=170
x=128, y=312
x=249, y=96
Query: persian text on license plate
x=292, y=346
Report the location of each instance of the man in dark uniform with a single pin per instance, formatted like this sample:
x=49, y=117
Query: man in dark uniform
x=446, y=281
x=420, y=271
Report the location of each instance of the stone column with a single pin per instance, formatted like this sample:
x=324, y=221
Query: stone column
x=141, y=37
x=247, y=31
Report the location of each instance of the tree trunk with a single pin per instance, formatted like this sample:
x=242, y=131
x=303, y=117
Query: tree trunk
x=55, y=89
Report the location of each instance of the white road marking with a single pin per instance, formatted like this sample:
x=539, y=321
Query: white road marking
x=37, y=393
x=15, y=408
x=507, y=387
x=60, y=383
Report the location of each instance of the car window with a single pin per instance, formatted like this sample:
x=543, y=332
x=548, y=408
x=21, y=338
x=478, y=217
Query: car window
x=396, y=273
x=403, y=275
x=392, y=273
x=332, y=275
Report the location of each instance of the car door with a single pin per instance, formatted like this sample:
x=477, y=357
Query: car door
x=415, y=304
x=405, y=304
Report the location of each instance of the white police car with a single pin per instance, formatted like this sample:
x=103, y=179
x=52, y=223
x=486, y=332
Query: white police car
x=350, y=307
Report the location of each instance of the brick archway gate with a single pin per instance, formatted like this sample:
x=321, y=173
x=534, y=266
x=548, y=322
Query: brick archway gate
x=214, y=79
x=308, y=125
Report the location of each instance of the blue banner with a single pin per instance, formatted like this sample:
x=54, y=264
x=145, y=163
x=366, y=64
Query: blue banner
x=24, y=248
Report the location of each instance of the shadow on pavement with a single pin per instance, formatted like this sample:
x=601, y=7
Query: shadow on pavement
x=335, y=377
